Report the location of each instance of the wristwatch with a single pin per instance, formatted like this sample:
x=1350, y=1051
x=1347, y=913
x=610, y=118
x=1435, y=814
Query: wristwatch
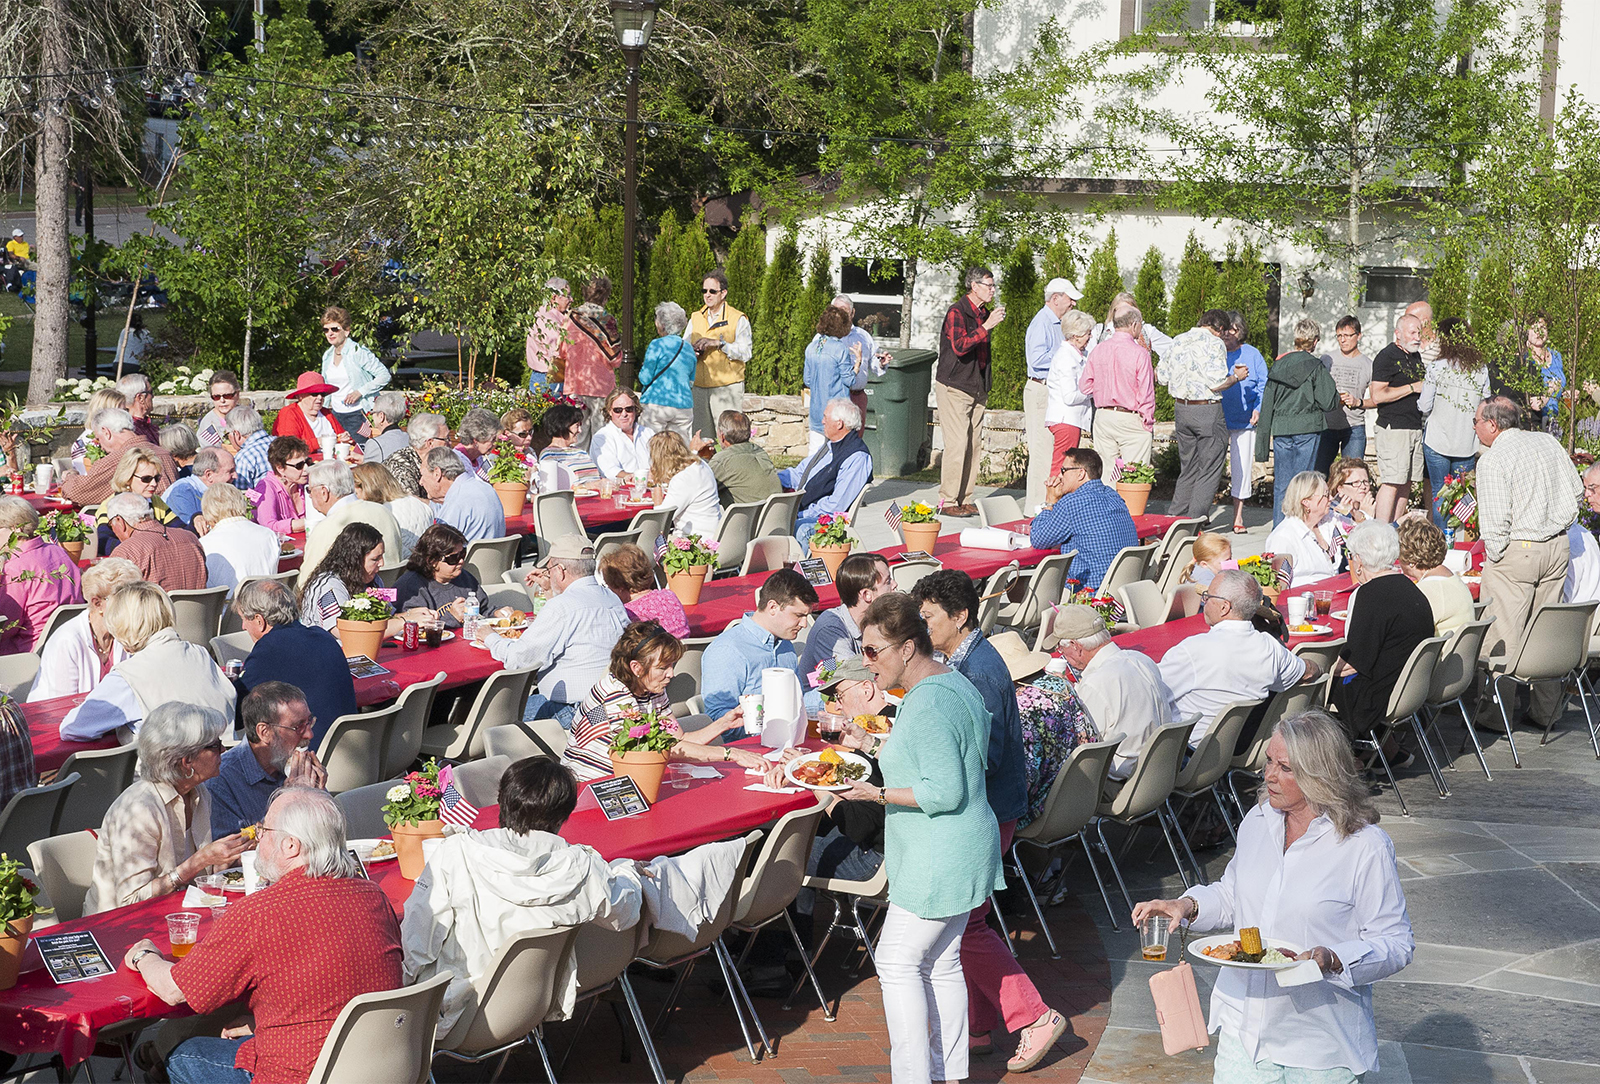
x=141, y=954
x=883, y=795
x=727, y=754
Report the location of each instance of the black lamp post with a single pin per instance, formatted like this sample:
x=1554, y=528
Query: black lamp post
x=633, y=21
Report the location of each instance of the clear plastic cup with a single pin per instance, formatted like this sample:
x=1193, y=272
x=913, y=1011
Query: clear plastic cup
x=214, y=885
x=1153, y=932
x=183, y=929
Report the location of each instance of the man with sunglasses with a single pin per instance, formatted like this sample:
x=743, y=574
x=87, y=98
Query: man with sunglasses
x=723, y=341
x=276, y=752
x=1083, y=514
x=621, y=448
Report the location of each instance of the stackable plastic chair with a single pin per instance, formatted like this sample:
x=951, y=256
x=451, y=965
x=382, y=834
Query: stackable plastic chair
x=997, y=509
x=1143, y=604
x=992, y=596
x=411, y=711
x=58, y=617
x=1130, y=564
x=906, y=574
x=385, y=1036
x=500, y=701
x=103, y=775
x=515, y=998
x=363, y=809
x=769, y=553
x=1252, y=760
x=1554, y=647
x=1405, y=702
x=773, y=882
x=1167, y=579
x=17, y=674
x=34, y=813
x=230, y=646
x=1209, y=763
x=685, y=683
x=601, y=958
x=1172, y=545
x=199, y=613
x=847, y=897
x=778, y=514
x=64, y=865
x=1044, y=590
x=354, y=748
x=612, y=539
x=1144, y=795
x=488, y=558
x=651, y=523
x=734, y=532
x=1455, y=673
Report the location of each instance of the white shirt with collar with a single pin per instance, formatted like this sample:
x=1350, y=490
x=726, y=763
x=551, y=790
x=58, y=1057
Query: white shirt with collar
x=1294, y=539
x=1126, y=700
x=615, y=452
x=1343, y=894
x=1583, y=566
x=870, y=365
x=570, y=644
x=1229, y=661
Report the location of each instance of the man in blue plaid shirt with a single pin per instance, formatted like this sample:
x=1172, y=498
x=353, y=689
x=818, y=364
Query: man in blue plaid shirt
x=251, y=440
x=1084, y=514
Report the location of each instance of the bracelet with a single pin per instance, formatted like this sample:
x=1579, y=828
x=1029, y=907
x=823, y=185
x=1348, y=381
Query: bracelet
x=883, y=795
x=1196, y=905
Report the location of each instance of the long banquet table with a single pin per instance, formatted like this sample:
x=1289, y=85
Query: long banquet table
x=36, y=1016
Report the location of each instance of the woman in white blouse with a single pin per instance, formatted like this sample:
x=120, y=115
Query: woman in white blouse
x=1313, y=872
x=412, y=514
x=236, y=546
x=621, y=449
x=1067, y=410
x=1305, y=535
x=691, y=487
x=83, y=651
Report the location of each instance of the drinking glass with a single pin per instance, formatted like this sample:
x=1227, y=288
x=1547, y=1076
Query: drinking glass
x=183, y=927
x=1324, y=601
x=830, y=727
x=1153, y=936
x=215, y=886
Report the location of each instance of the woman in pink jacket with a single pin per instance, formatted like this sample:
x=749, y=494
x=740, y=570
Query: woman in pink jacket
x=281, y=493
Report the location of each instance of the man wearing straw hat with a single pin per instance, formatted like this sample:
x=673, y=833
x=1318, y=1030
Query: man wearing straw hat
x=1121, y=690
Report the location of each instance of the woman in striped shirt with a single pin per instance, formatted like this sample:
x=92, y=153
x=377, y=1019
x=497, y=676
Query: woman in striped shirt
x=641, y=668
x=562, y=464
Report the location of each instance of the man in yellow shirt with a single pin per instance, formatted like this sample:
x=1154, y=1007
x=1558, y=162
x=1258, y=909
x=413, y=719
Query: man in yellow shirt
x=17, y=246
x=16, y=262
x=721, y=337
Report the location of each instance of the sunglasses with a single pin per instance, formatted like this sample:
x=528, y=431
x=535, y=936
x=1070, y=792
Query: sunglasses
x=522, y=434
x=624, y=410
x=454, y=558
x=298, y=464
x=146, y=478
x=217, y=397
x=871, y=653
x=716, y=291
x=331, y=330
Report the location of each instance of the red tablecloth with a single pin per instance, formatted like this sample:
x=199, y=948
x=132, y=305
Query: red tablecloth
x=1159, y=639
x=44, y=726
x=37, y=1016
x=461, y=664
x=51, y=503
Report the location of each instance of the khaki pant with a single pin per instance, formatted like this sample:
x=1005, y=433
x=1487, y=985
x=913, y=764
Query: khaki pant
x=1118, y=433
x=1528, y=575
x=709, y=403
x=1041, y=444
x=961, y=423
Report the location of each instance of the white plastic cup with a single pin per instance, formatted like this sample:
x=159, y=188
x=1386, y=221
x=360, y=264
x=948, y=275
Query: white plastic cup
x=751, y=703
x=44, y=475
x=1296, y=610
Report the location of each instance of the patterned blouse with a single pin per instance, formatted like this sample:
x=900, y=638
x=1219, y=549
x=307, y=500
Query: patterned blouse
x=599, y=718
x=1053, y=725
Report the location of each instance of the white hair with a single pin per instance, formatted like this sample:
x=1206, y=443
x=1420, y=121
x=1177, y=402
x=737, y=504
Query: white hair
x=844, y=412
x=315, y=819
x=17, y=514
x=133, y=384
x=130, y=506
x=1094, y=640
x=671, y=318
x=844, y=301
x=426, y=427
x=391, y=404
x=172, y=731
x=244, y=420
x=333, y=473
x=1240, y=590
x=1377, y=544
x=114, y=419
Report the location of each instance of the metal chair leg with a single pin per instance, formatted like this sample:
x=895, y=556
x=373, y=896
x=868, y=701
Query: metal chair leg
x=639, y=1026
x=827, y=935
x=1027, y=884
x=740, y=994
x=1378, y=745
x=1472, y=733
x=994, y=909
x=1088, y=853
x=1222, y=807
x=733, y=999
x=827, y=1013
x=1594, y=734
x=1100, y=829
x=1162, y=812
x=672, y=995
x=1427, y=757
x=544, y=1058
x=1505, y=717
x=582, y=1022
x=1177, y=829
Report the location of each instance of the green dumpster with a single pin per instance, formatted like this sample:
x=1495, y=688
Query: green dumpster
x=897, y=412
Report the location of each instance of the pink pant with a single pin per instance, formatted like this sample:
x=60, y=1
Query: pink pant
x=1063, y=438
x=996, y=982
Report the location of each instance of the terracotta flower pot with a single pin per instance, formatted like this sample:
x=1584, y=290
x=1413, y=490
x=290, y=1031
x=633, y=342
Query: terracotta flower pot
x=687, y=584
x=920, y=536
x=74, y=550
x=408, y=845
x=832, y=555
x=1135, y=495
x=644, y=768
x=361, y=637
x=11, y=951
x=513, y=496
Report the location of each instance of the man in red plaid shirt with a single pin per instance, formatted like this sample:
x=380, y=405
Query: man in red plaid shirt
x=961, y=387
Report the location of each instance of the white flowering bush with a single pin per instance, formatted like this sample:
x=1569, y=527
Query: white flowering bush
x=78, y=391
x=185, y=381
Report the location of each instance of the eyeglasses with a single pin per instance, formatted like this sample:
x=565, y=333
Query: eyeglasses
x=331, y=330
x=212, y=747
x=217, y=397
x=871, y=653
x=522, y=433
x=1207, y=596
x=986, y=285
x=306, y=727
x=454, y=558
x=1356, y=483
x=146, y=478
x=624, y=410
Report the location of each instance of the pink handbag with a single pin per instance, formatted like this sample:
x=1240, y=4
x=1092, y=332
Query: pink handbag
x=1183, y=1025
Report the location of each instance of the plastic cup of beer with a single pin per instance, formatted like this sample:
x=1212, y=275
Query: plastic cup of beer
x=183, y=927
x=1153, y=933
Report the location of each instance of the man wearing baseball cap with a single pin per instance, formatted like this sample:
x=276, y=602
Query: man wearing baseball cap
x=1040, y=343
x=17, y=254
x=1121, y=690
x=570, y=645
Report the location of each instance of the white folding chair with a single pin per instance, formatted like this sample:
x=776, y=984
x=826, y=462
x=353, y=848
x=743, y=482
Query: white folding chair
x=500, y=701
x=488, y=558
x=997, y=509
x=199, y=613
x=385, y=1036
x=64, y=865
x=778, y=514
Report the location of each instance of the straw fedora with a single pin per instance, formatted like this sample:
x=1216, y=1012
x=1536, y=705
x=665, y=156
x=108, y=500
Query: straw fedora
x=1019, y=660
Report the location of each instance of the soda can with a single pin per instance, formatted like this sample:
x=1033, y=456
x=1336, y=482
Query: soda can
x=235, y=668
x=410, y=636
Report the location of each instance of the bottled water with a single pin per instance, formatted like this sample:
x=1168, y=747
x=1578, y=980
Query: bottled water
x=469, y=621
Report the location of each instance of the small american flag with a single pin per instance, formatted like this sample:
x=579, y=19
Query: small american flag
x=1464, y=508
x=892, y=514
x=328, y=605
x=1284, y=574
x=453, y=807
x=661, y=545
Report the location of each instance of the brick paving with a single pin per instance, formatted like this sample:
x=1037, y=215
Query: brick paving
x=703, y=1043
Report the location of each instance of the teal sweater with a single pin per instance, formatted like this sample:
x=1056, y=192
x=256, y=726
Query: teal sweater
x=943, y=856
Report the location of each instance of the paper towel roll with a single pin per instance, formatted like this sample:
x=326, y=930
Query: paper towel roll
x=783, y=708
x=993, y=538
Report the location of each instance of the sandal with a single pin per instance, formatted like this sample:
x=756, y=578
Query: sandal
x=1239, y=528
x=1032, y=1047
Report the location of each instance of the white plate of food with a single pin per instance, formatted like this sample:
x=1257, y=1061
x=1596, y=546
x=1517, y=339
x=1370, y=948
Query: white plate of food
x=1275, y=955
x=1342, y=615
x=831, y=769
x=284, y=555
x=374, y=850
x=1310, y=630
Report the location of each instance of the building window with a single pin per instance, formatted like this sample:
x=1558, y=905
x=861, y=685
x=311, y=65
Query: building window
x=878, y=288
x=1394, y=285
x=1179, y=16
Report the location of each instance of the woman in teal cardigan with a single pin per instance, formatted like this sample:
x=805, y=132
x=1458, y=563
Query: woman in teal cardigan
x=667, y=374
x=941, y=841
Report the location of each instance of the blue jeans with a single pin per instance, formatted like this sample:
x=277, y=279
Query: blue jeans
x=541, y=382
x=539, y=707
x=1350, y=443
x=1290, y=456
x=351, y=422
x=835, y=854
x=1440, y=466
x=206, y=1060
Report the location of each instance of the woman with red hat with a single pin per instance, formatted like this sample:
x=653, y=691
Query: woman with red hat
x=305, y=417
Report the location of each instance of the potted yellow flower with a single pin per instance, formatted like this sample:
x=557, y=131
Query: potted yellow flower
x=919, y=526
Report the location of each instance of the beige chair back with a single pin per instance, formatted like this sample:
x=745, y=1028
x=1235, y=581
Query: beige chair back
x=600, y=955
x=1172, y=543
x=103, y=775
x=1291, y=701
x=386, y=1036
x=603, y=544
x=34, y=813
x=1183, y=601
x=1213, y=754
x=685, y=681
x=1154, y=774
x=363, y=810
x=1132, y=563
x=1143, y=604
x=734, y=531
x=505, y=594
x=1168, y=579
x=1555, y=643
x=1323, y=653
x=1416, y=679
x=768, y=553
x=778, y=514
x=58, y=617
x=410, y=721
x=1457, y=669
x=651, y=523
x=993, y=596
x=64, y=865
x=231, y=645
x=555, y=515
x=354, y=747
x=199, y=613
x=998, y=509
x=1074, y=795
x=479, y=780
x=906, y=574
x=500, y=701
x=17, y=674
x=518, y=741
x=1045, y=588
x=517, y=993
x=779, y=869
x=488, y=558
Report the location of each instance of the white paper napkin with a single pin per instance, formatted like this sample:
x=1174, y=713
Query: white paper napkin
x=696, y=771
x=196, y=898
x=762, y=788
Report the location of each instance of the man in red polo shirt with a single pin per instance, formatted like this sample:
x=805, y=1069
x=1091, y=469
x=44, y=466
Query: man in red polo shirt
x=299, y=950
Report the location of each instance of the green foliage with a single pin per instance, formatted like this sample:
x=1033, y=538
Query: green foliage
x=747, y=265
x=508, y=466
x=663, y=253
x=1103, y=281
x=447, y=398
x=691, y=259
x=1022, y=293
x=780, y=285
x=803, y=317
x=1449, y=288
x=17, y=892
x=1244, y=290
x=1197, y=289
x=1150, y=289
x=1059, y=262
x=1492, y=295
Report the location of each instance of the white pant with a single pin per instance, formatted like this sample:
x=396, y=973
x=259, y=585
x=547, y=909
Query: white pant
x=1241, y=461
x=1041, y=445
x=924, y=996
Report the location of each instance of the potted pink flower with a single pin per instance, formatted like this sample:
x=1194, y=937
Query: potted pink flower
x=688, y=562
x=639, y=751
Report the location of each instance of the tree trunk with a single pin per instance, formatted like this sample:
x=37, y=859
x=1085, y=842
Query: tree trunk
x=918, y=212
x=52, y=174
x=1353, y=272
x=249, y=326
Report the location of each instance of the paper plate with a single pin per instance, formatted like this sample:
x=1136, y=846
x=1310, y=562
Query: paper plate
x=1196, y=947
x=1316, y=630
x=422, y=641
x=854, y=758
x=363, y=847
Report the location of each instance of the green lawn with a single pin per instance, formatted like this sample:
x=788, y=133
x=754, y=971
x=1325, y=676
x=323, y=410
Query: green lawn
x=18, y=339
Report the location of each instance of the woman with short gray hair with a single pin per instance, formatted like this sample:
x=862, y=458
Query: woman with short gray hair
x=1389, y=617
x=156, y=837
x=426, y=432
x=1313, y=869
x=667, y=375
x=39, y=577
x=388, y=411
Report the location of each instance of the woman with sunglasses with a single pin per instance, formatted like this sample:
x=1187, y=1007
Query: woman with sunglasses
x=156, y=837
x=436, y=577
x=281, y=493
x=135, y=473
x=224, y=391
x=306, y=416
x=941, y=840
x=621, y=448
x=354, y=371
x=350, y=567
